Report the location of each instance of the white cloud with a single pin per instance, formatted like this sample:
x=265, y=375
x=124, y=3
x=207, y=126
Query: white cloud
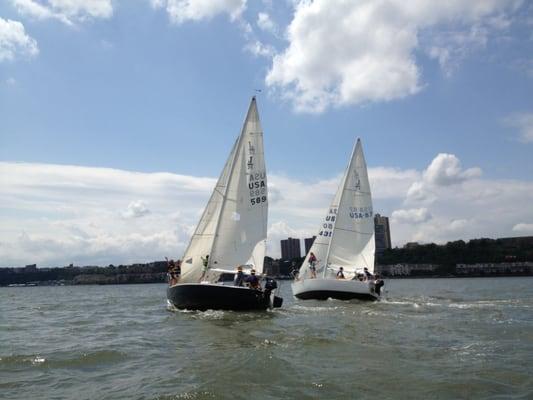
x=14, y=41
x=442, y=230
x=444, y=170
x=76, y=214
x=364, y=51
x=259, y=49
x=451, y=47
x=265, y=23
x=60, y=214
x=66, y=11
x=181, y=11
x=11, y=81
x=136, y=209
x=413, y=215
x=391, y=183
x=523, y=122
x=523, y=228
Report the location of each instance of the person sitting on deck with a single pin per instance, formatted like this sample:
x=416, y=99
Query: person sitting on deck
x=368, y=275
x=358, y=277
x=239, y=277
x=253, y=281
x=312, y=264
x=340, y=274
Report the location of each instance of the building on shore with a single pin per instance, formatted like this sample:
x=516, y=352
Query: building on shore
x=290, y=248
x=506, y=268
x=308, y=243
x=407, y=269
x=382, y=233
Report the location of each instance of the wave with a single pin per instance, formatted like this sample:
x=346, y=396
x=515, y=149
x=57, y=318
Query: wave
x=60, y=361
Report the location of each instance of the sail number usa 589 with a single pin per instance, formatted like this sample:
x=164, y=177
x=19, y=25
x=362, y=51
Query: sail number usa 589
x=257, y=187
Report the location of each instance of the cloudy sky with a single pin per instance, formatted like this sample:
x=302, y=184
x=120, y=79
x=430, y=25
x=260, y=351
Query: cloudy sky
x=116, y=118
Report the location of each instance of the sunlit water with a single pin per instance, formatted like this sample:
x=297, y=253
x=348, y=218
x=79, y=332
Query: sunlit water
x=431, y=339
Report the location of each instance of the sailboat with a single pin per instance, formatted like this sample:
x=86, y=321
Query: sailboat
x=231, y=232
x=345, y=240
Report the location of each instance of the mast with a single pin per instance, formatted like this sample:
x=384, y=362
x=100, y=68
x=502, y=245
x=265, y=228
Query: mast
x=346, y=173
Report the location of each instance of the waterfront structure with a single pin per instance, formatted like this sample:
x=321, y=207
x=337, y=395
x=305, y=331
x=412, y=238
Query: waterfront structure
x=308, y=243
x=506, y=268
x=290, y=248
x=382, y=232
x=407, y=269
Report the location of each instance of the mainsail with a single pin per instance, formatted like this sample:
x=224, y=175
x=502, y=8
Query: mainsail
x=346, y=237
x=233, y=227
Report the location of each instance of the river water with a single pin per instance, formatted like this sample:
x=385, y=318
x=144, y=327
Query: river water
x=431, y=339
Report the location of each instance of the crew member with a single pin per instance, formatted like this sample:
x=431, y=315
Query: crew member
x=312, y=264
x=239, y=277
x=253, y=281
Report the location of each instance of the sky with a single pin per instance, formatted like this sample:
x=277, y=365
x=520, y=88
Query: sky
x=116, y=118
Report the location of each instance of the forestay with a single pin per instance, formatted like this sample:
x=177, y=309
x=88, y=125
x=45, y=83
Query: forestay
x=233, y=227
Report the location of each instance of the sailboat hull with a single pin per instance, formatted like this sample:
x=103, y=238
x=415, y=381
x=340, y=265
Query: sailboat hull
x=341, y=289
x=204, y=296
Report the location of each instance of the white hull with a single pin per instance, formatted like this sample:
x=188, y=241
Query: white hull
x=322, y=289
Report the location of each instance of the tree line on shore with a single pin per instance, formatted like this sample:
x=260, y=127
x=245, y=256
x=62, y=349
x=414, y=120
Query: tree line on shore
x=475, y=251
x=447, y=256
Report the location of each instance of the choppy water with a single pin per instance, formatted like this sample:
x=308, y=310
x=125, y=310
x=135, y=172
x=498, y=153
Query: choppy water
x=432, y=339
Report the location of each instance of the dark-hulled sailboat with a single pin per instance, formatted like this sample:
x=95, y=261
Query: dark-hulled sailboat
x=232, y=232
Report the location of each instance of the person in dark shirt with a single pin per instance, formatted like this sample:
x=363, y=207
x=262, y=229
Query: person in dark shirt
x=340, y=274
x=239, y=277
x=253, y=281
x=368, y=275
x=378, y=284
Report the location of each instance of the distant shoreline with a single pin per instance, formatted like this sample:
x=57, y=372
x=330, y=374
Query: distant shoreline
x=161, y=280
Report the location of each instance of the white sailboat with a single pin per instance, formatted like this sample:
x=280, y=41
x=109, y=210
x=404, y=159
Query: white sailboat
x=232, y=232
x=345, y=240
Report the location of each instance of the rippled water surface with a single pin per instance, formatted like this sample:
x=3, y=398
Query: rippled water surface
x=431, y=339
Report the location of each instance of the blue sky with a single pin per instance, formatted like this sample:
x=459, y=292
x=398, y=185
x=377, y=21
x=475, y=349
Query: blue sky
x=439, y=94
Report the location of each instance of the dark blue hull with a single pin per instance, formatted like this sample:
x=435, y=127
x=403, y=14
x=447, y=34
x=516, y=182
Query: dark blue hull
x=199, y=296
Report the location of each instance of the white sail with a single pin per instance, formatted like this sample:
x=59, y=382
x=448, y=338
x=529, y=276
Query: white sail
x=321, y=243
x=235, y=219
x=258, y=257
x=352, y=244
x=204, y=235
x=346, y=236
